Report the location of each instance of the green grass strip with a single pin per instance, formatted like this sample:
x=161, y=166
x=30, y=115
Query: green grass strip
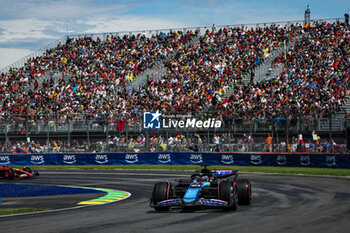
x=279, y=170
x=20, y=211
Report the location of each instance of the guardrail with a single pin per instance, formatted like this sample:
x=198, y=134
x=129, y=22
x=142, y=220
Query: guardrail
x=318, y=160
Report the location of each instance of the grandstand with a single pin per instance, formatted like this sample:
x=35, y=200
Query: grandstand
x=89, y=92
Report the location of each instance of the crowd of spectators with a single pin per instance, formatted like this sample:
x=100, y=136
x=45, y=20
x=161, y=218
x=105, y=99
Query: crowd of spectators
x=315, y=78
x=99, y=72
x=96, y=70
x=94, y=76
x=200, y=74
x=314, y=81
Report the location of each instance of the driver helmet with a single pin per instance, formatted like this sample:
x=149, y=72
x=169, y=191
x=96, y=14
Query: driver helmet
x=204, y=178
x=196, y=179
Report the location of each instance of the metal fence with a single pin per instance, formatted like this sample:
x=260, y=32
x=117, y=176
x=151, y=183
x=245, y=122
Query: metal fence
x=79, y=134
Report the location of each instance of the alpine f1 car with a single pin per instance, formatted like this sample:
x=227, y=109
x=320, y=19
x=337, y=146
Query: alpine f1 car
x=8, y=172
x=207, y=189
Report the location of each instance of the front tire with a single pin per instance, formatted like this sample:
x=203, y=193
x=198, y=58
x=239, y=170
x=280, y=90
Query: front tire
x=244, y=189
x=9, y=174
x=228, y=193
x=161, y=192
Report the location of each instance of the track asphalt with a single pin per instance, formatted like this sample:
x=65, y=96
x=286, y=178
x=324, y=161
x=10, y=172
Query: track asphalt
x=281, y=203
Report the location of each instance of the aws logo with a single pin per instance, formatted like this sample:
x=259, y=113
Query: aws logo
x=69, y=159
x=255, y=159
x=131, y=158
x=227, y=159
x=305, y=160
x=37, y=159
x=4, y=160
x=164, y=158
x=330, y=161
x=101, y=159
x=281, y=160
x=196, y=158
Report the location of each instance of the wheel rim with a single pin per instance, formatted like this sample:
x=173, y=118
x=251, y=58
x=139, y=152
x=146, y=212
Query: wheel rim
x=234, y=195
x=249, y=191
x=235, y=198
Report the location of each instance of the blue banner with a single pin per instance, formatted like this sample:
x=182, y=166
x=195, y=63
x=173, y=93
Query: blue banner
x=240, y=159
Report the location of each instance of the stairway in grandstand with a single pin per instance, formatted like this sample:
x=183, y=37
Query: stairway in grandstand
x=55, y=75
x=324, y=124
x=338, y=119
x=266, y=71
x=347, y=104
x=157, y=71
x=263, y=72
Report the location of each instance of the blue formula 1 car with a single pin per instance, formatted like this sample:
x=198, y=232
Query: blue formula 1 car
x=206, y=189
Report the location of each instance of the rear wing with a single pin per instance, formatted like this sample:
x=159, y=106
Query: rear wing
x=225, y=173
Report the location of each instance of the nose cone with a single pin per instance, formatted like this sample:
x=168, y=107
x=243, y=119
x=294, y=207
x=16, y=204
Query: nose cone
x=191, y=195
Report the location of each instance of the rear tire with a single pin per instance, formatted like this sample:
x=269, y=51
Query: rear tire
x=228, y=193
x=160, y=193
x=27, y=169
x=244, y=189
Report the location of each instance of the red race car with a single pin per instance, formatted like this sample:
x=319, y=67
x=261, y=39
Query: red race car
x=8, y=172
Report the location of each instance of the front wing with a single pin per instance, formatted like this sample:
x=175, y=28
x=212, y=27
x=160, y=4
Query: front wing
x=22, y=174
x=200, y=202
